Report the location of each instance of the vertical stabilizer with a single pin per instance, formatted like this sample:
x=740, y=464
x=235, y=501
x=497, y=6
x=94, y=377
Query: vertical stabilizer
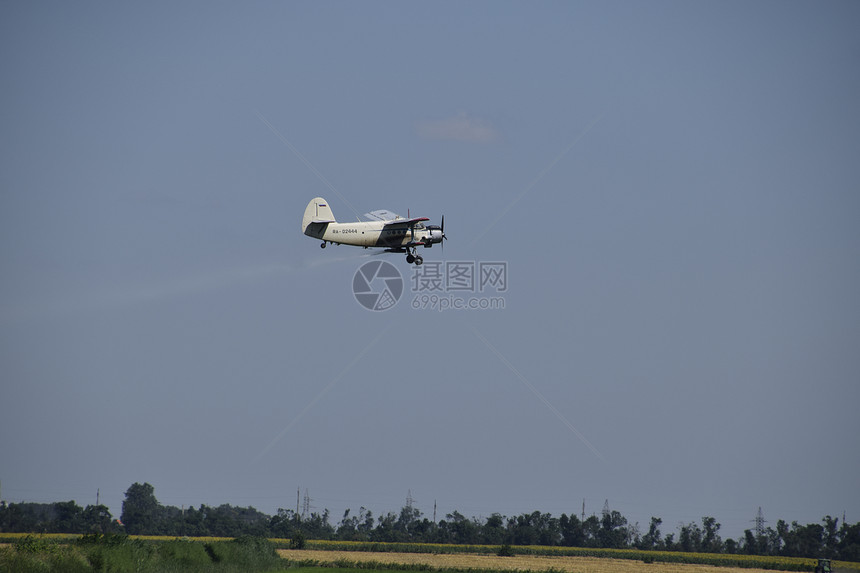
x=317, y=211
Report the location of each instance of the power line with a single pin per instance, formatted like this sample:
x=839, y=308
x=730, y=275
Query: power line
x=306, y=162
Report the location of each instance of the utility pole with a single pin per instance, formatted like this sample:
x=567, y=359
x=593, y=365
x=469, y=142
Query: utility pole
x=434, y=511
x=583, y=509
x=97, y=496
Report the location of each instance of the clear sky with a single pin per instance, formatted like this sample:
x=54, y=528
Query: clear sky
x=674, y=186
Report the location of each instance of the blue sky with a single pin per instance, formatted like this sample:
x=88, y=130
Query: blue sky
x=673, y=186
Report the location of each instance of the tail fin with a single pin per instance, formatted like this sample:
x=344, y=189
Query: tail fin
x=317, y=211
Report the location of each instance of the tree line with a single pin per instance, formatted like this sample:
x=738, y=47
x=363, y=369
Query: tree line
x=142, y=514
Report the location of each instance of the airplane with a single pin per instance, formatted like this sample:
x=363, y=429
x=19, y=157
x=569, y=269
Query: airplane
x=383, y=229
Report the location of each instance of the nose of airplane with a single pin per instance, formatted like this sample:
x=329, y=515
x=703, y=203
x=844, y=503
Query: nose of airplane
x=437, y=232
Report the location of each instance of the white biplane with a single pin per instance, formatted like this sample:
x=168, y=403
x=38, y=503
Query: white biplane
x=383, y=229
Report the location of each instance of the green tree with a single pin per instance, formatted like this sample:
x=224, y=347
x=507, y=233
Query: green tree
x=194, y=523
x=549, y=529
x=317, y=526
x=97, y=519
x=405, y=525
x=494, y=530
x=831, y=536
x=69, y=518
x=810, y=540
x=348, y=528
x=385, y=528
x=524, y=528
x=711, y=541
x=284, y=524
x=750, y=543
x=140, y=509
x=690, y=537
x=613, y=530
x=849, y=542
x=651, y=540
x=460, y=530
x=365, y=523
x=591, y=530
x=572, y=534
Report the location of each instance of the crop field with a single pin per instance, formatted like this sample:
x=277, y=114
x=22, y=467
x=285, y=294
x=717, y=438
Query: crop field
x=534, y=563
x=555, y=553
x=106, y=553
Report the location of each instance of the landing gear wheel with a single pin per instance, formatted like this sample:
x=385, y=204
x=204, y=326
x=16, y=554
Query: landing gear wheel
x=410, y=259
x=322, y=245
x=419, y=260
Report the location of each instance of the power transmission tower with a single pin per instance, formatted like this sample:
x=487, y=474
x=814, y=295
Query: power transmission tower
x=759, y=523
x=606, y=511
x=306, y=505
x=583, y=509
x=409, y=500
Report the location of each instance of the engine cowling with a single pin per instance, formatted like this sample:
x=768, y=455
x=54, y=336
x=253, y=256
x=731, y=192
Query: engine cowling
x=436, y=235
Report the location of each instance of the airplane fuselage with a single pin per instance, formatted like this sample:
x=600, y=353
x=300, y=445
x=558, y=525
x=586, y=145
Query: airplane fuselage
x=385, y=229
x=369, y=234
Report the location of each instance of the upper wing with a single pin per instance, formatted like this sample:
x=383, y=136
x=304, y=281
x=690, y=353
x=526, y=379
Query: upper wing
x=405, y=222
x=382, y=215
x=392, y=219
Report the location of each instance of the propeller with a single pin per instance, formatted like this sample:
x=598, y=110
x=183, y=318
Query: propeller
x=437, y=233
